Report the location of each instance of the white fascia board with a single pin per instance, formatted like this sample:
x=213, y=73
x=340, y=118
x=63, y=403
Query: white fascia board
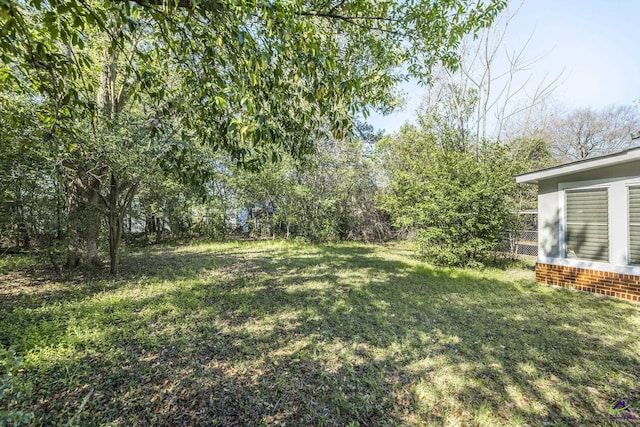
x=580, y=166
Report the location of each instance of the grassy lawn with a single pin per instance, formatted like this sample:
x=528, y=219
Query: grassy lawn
x=274, y=333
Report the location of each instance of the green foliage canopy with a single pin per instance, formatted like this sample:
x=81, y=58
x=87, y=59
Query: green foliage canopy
x=253, y=78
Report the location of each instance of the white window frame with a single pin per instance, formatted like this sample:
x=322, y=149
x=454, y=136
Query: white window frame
x=607, y=191
x=618, y=226
x=628, y=185
x=581, y=185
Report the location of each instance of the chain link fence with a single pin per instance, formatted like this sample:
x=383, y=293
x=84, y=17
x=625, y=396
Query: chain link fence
x=527, y=243
x=524, y=242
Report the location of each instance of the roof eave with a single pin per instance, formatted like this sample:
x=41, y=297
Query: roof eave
x=580, y=166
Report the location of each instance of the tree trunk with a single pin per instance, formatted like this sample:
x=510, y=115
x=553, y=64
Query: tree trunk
x=115, y=224
x=24, y=236
x=59, y=217
x=84, y=222
x=115, y=237
x=159, y=227
x=117, y=208
x=85, y=190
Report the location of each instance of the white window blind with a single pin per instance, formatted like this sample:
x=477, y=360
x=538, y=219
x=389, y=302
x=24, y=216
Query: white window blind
x=587, y=224
x=634, y=225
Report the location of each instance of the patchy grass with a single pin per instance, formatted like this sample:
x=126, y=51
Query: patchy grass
x=273, y=333
x=14, y=262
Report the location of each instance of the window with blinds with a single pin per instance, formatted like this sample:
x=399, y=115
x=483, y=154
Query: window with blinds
x=634, y=225
x=587, y=224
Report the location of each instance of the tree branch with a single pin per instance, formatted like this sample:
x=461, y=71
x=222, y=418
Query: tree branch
x=331, y=14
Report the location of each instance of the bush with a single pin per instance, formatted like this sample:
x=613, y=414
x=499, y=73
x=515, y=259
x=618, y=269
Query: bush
x=467, y=207
x=12, y=390
x=460, y=202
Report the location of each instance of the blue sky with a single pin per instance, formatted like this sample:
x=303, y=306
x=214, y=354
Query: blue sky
x=594, y=44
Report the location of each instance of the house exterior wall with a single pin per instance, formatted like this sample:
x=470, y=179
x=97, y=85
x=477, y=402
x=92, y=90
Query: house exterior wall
x=553, y=267
x=548, y=220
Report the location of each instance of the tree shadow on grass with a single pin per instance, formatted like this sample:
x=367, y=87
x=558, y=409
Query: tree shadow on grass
x=28, y=288
x=325, y=335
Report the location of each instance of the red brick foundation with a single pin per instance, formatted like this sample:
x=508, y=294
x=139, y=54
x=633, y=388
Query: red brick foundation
x=624, y=286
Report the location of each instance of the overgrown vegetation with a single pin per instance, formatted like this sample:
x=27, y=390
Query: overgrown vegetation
x=244, y=119
x=110, y=94
x=462, y=199
x=273, y=333
x=13, y=392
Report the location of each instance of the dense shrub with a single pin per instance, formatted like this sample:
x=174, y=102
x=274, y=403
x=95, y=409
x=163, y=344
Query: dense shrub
x=460, y=201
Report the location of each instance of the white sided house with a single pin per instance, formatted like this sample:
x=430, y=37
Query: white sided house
x=589, y=224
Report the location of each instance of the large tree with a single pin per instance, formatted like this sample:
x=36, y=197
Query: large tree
x=251, y=77
x=586, y=132
x=492, y=88
x=255, y=79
